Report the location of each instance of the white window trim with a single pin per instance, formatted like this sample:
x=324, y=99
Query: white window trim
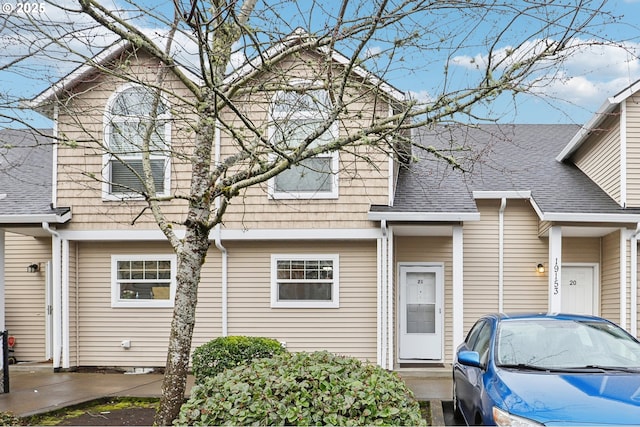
x=106, y=158
x=116, y=302
x=293, y=195
x=334, y=155
x=335, y=288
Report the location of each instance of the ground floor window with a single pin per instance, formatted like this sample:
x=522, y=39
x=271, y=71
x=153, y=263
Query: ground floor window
x=143, y=280
x=304, y=281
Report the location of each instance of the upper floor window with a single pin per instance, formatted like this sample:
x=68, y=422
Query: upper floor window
x=129, y=122
x=294, y=117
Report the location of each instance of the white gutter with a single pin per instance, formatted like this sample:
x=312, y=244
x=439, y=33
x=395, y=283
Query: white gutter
x=223, y=251
x=36, y=219
x=503, y=205
x=424, y=216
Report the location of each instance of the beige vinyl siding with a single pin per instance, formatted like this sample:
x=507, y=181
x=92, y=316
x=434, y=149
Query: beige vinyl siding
x=633, y=151
x=73, y=304
x=524, y=288
x=25, y=310
x=102, y=328
x=581, y=249
x=481, y=252
x=610, y=286
x=436, y=249
x=600, y=158
x=349, y=330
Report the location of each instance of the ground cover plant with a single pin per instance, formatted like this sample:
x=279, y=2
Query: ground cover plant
x=302, y=389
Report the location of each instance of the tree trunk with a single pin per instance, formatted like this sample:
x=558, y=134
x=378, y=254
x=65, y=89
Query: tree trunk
x=190, y=260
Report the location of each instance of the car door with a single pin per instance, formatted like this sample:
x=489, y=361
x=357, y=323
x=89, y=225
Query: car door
x=468, y=379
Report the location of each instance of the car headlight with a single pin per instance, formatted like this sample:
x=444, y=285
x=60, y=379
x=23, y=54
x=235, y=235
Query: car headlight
x=503, y=418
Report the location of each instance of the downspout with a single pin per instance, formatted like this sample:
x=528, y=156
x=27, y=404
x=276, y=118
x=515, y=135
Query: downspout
x=223, y=251
x=391, y=344
x=503, y=205
x=58, y=297
x=634, y=281
x=382, y=296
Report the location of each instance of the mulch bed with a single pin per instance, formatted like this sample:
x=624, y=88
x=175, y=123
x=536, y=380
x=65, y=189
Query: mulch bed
x=117, y=417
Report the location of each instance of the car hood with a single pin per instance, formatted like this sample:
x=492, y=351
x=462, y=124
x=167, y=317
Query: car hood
x=584, y=399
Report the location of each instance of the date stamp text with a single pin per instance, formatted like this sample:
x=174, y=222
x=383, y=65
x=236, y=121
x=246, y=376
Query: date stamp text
x=19, y=8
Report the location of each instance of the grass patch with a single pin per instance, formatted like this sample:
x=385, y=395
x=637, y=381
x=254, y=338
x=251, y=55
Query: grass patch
x=98, y=406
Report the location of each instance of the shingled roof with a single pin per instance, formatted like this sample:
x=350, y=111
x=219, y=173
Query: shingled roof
x=520, y=159
x=25, y=178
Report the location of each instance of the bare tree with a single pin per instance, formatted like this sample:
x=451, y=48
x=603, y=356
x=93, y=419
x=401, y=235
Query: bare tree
x=216, y=63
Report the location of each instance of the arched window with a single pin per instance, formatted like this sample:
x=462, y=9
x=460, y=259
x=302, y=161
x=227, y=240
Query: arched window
x=294, y=116
x=128, y=120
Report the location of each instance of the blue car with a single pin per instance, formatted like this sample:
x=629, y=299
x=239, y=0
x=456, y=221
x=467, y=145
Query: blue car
x=547, y=369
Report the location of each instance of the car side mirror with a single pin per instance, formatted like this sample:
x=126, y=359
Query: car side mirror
x=470, y=358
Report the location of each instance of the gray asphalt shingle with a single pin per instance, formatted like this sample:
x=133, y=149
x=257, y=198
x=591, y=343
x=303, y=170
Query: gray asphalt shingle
x=25, y=172
x=497, y=158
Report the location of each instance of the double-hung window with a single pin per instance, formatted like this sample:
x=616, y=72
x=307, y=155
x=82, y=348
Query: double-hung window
x=131, y=126
x=143, y=280
x=296, y=115
x=305, y=281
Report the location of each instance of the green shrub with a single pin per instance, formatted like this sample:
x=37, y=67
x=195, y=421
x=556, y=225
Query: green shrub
x=228, y=352
x=302, y=389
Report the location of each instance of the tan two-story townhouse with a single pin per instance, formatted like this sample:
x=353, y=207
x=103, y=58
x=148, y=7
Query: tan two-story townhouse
x=363, y=254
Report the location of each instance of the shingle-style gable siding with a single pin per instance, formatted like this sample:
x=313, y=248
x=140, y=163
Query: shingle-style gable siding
x=600, y=157
x=363, y=179
x=633, y=150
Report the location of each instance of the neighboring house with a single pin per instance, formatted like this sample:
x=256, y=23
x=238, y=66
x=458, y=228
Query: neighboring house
x=384, y=261
x=27, y=220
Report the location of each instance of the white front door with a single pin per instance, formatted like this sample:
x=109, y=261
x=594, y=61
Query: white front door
x=420, y=313
x=579, y=289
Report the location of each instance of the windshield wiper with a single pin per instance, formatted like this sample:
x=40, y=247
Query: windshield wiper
x=523, y=367
x=605, y=368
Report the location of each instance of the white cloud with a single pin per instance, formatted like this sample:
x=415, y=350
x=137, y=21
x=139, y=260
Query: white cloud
x=587, y=76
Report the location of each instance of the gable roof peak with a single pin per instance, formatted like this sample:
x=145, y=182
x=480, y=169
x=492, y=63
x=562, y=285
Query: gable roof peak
x=607, y=107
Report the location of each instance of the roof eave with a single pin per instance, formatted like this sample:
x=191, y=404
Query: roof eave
x=606, y=108
x=424, y=216
x=51, y=218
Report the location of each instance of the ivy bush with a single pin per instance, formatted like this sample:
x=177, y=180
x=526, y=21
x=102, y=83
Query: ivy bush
x=302, y=389
x=222, y=353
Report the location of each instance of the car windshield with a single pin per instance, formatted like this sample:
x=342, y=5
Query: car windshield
x=565, y=344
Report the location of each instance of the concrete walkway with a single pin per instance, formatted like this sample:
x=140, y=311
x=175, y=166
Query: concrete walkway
x=38, y=390
x=35, y=390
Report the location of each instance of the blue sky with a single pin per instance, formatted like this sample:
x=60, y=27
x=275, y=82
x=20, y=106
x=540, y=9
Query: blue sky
x=581, y=85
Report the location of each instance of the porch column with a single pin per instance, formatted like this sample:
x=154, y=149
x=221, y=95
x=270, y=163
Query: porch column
x=457, y=287
x=555, y=269
x=2, y=254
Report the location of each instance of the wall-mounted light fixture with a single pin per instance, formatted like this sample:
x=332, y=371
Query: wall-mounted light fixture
x=33, y=268
x=540, y=268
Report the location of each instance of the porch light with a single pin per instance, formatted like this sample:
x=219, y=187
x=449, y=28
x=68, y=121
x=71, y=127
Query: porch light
x=540, y=268
x=33, y=268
